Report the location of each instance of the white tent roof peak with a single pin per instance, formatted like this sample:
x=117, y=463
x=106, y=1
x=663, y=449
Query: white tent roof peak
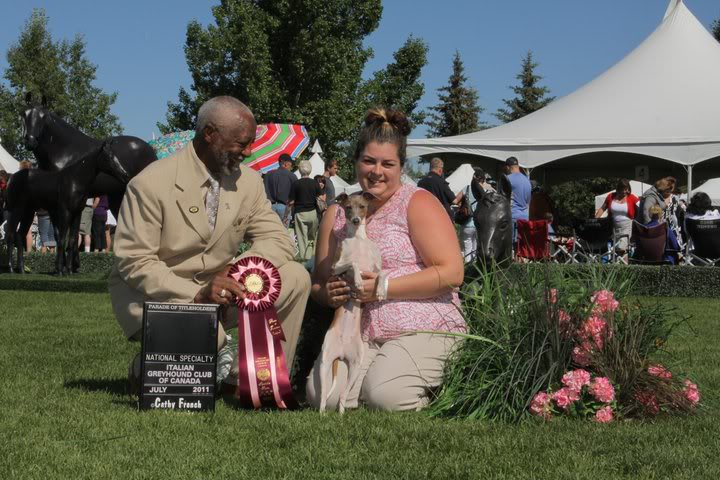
x=316, y=147
x=317, y=164
x=7, y=162
x=671, y=7
x=660, y=100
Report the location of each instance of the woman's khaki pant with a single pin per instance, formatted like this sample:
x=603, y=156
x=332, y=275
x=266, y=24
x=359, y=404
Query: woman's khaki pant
x=396, y=375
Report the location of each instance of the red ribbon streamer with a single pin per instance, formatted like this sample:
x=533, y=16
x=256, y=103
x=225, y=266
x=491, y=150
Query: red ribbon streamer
x=263, y=377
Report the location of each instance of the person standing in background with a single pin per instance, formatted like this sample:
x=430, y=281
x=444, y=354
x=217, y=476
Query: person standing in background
x=277, y=186
x=434, y=183
x=303, y=201
x=521, y=193
x=100, y=208
x=86, y=224
x=331, y=168
x=45, y=231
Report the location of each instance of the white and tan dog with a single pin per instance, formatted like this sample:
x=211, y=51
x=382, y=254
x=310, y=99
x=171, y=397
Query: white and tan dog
x=343, y=340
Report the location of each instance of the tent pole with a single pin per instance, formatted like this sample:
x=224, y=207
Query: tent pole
x=689, y=188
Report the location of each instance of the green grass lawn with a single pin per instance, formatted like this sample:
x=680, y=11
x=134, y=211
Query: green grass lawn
x=64, y=414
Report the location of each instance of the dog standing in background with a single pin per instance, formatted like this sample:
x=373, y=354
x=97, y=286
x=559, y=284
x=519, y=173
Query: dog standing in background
x=343, y=340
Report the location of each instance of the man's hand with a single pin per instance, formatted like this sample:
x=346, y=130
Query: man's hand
x=222, y=290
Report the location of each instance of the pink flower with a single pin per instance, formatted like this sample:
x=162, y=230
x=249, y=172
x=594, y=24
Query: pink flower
x=541, y=406
x=604, y=415
x=658, y=370
x=565, y=397
x=552, y=295
x=604, y=302
x=595, y=329
x=581, y=354
x=576, y=379
x=648, y=400
x=691, y=392
x=564, y=322
x=602, y=390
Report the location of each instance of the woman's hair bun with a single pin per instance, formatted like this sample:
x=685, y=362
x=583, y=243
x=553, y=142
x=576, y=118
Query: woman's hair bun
x=396, y=118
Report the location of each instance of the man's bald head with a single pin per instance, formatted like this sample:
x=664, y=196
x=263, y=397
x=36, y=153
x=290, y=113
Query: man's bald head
x=224, y=133
x=222, y=112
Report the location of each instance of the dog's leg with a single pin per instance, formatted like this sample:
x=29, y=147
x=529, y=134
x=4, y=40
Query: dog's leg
x=357, y=277
x=354, y=354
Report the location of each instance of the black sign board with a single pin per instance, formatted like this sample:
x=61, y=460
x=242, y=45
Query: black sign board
x=179, y=356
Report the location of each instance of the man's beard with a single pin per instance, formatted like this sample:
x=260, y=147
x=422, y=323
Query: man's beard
x=228, y=165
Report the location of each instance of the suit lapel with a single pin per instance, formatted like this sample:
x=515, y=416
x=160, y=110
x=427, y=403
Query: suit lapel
x=188, y=180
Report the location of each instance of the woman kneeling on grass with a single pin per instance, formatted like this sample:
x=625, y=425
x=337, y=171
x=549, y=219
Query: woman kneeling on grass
x=421, y=257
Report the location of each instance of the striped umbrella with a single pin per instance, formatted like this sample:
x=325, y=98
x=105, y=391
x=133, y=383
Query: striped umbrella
x=271, y=141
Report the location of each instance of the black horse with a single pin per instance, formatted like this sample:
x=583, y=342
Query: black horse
x=63, y=195
x=56, y=145
x=493, y=220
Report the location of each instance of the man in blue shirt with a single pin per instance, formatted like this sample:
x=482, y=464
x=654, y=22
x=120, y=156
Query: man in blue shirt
x=521, y=192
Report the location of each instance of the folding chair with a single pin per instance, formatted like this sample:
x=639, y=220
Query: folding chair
x=650, y=243
x=532, y=240
x=703, y=247
x=594, y=240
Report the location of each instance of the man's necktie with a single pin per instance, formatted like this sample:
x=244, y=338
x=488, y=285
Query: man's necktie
x=211, y=202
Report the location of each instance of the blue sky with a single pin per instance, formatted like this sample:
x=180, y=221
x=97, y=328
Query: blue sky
x=138, y=45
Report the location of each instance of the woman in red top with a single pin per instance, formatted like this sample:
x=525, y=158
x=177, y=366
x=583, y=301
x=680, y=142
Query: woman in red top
x=621, y=206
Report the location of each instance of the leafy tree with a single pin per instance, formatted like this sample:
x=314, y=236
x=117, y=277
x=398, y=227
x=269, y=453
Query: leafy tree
x=715, y=27
x=60, y=72
x=529, y=96
x=297, y=62
x=398, y=85
x=575, y=200
x=458, y=110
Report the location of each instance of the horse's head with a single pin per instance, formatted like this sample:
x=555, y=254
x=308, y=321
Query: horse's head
x=493, y=221
x=34, y=119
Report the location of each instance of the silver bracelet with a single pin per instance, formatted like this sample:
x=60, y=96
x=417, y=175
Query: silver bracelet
x=382, y=286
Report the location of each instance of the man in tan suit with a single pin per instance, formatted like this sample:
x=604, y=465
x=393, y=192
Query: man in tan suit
x=183, y=218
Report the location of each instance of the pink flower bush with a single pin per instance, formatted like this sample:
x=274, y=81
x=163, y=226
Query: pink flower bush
x=649, y=401
x=658, y=370
x=576, y=379
x=604, y=415
x=565, y=397
x=604, y=302
x=542, y=406
x=595, y=329
x=602, y=390
x=581, y=354
x=564, y=320
x=691, y=392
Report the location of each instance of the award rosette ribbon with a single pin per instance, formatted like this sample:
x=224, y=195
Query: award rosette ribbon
x=263, y=376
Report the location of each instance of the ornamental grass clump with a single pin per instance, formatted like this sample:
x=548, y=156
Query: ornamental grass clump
x=545, y=342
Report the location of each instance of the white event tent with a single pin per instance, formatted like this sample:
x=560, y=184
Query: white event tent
x=7, y=162
x=317, y=164
x=659, y=101
x=460, y=178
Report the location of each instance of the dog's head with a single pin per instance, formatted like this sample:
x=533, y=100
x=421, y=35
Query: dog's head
x=355, y=206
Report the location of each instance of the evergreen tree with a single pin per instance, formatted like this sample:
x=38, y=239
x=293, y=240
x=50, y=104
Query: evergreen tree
x=529, y=97
x=457, y=111
x=715, y=29
x=296, y=62
x=60, y=72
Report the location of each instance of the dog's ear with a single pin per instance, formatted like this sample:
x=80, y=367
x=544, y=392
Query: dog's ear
x=341, y=199
x=368, y=196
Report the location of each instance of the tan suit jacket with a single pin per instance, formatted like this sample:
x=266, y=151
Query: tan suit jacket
x=164, y=248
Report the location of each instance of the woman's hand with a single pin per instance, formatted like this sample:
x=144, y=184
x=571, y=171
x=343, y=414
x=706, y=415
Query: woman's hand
x=338, y=291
